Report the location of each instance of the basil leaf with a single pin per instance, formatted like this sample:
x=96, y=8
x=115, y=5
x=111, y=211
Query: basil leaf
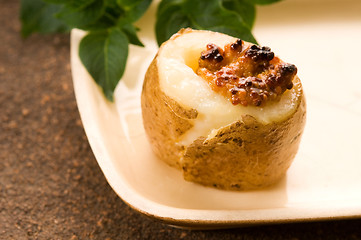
x=38, y=16
x=231, y=17
x=104, y=49
x=244, y=9
x=104, y=55
x=134, y=9
x=162, y=6
x=131, y=33
x=57, y=1
x=72, y=3
x=211, y=15
x=83, y=17
x=170, y=18
x=263, y=2
x=128, y=3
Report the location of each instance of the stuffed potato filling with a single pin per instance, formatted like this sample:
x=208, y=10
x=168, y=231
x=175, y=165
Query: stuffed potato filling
x=246, y=75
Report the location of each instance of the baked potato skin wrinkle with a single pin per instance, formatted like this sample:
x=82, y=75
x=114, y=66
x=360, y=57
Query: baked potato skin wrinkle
x=164, y=119
x=246, y=154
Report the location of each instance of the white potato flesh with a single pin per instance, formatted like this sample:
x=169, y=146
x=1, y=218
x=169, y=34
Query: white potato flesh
x=177, y=62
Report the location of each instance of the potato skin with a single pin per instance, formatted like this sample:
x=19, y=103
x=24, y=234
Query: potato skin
x=164, y=119
x=246, y=154
x=243, y=155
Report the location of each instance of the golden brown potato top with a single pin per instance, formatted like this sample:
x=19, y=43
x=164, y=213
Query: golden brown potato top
x=247, y=75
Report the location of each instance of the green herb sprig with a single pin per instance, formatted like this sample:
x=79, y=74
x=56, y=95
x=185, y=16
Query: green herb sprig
x=110, y=26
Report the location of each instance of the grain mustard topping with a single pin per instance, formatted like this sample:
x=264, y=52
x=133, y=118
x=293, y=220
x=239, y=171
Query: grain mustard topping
x=246, y=75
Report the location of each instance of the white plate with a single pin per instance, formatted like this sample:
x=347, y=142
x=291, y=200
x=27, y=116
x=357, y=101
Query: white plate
x=323, y=40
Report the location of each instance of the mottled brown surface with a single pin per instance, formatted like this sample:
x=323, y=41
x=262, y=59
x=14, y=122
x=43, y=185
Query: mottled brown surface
x=50, y=184
x=246, y=154
x=165, y=121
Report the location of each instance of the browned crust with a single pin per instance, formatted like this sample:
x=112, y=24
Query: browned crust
x=246, y=154
x=164, y=119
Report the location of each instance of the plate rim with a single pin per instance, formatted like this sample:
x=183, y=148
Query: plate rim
x=192, y=218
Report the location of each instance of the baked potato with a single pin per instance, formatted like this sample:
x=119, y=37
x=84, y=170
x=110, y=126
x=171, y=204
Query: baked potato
x=230, y=118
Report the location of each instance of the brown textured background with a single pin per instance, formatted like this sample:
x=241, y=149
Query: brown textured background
x=50, y=184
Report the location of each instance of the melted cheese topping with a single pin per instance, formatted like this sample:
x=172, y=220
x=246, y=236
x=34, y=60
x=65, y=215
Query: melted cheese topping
x=177, y=62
